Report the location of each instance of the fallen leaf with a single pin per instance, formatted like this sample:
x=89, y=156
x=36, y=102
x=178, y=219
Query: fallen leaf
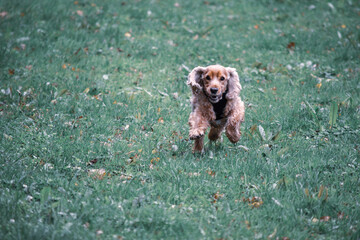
x=256, y=202
x=325, y=218
x=97, y=173
x=11, y=71
x=243, y=147
x=218, y=195
x=262, y=132
x=210, y=172
x=3, y=14
x=80, y=13
x=321, y=191
x=319, y=85
x=291, y=46
x=64, y=66
x=340, y=215
x=314, y=220
x=155, y=160
x=272, y=235
x=253, y=128
x=247, y=223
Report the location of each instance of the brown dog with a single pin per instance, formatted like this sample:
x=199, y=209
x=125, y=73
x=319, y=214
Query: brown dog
x=216, y=103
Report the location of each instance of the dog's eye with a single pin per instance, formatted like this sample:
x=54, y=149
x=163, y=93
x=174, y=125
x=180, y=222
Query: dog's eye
x=222, y=78
x=208, y=77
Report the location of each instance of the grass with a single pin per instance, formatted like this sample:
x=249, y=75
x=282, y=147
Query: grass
x=94, y=109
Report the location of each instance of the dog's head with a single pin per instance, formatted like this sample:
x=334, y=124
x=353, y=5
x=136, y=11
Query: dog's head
x=214, y=81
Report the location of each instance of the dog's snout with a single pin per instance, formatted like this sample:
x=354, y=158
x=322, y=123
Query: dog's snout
x=214, y=90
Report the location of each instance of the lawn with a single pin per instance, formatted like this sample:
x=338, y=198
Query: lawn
x=94, y=108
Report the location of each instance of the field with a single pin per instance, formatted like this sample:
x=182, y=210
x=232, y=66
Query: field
x=94, y=108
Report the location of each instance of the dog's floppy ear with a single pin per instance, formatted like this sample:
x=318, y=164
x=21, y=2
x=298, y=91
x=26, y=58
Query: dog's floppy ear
x=194, y=79
x=234, y=86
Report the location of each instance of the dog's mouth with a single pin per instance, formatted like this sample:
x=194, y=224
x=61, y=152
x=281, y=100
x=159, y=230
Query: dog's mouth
x=213, y=98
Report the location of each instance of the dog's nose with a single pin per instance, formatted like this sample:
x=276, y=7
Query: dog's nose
x=213, y=90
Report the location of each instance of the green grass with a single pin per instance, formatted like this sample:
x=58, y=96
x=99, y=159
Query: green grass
x=100, y=86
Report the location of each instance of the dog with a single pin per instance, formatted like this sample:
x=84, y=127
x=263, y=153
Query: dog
x=215, y=103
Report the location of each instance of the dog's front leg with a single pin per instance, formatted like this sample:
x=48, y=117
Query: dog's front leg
x=198, y=125
x=234, y=121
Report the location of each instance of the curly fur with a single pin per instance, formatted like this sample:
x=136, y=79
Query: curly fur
x=211, y=87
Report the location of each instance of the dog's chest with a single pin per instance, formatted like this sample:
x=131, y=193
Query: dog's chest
x=219, y=108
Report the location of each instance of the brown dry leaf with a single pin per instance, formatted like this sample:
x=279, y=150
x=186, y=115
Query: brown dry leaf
x=211, y=173
x=80, y=13
x=307, y=192
x=97, y=173
x=91, y=162
x=256, y=202
x=218, y=195
x=291, y=46
x=11, y=71
x=64, y=66
x=125, y=177
x=161, y=120
x=247, y=223
x=321, y=191
x=253, y=128
x=318, y=85
x=155, y=160
x=98, y=97
x=314, y=220
x=325, y=218
x=340, y=215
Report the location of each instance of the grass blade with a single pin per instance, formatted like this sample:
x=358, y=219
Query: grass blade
x=333, y=114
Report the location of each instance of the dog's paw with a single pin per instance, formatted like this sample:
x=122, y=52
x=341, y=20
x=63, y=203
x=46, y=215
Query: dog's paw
x=194, y=137
x=195, y=134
